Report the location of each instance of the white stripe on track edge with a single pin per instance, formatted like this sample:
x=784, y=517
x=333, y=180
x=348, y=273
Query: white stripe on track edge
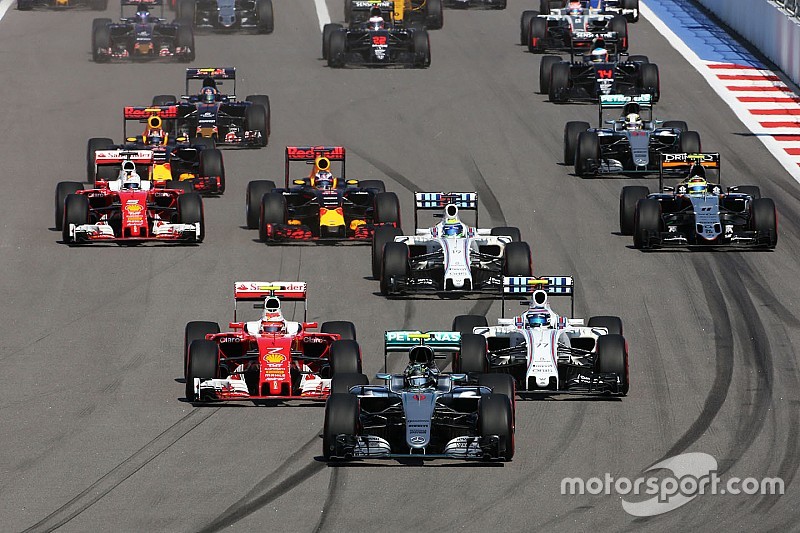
x=322, y=12
x=719, y=86
x=4, y=5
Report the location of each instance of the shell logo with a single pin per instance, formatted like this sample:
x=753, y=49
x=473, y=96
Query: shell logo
x=274, y=358
x=133, y=208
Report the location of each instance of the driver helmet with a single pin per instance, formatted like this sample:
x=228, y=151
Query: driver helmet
x=575, y=8
x=696, y=185
x=130, y=179
x=417, y=376
x=421, y=355
x=273, y=326
x=376, y=23
x=142, y=14
x=155, y=137
x=633, y=121
x=324, y=180
x=208, y=95
x=599, y=55
x=453, y=228
x=538, y=319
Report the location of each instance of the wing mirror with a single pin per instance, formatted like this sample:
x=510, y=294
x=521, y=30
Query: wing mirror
x=381, y=375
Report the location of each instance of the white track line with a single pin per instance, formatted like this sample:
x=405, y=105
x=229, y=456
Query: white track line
x=322, y=12
x=4, y=5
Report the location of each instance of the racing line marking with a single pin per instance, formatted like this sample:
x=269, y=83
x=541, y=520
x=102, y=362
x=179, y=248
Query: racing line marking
x=754, y=92
x=322, y=13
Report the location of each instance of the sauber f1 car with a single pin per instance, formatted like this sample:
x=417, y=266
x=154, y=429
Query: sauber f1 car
x=141, y=37
x=697, y=212
x=228, y=15
x=573, y=28
x=210, y=114
x=270, y=358
x=421, y=413
x=379, y=42
x=322, y=205
x=584, y=79
x=128, y=210
x=426, y=13
x=630, y=144
x=450, y=257
x=546, y=352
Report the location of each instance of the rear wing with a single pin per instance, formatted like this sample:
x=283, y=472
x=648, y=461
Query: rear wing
x=257, y=291
x=147, y=3
x=310, y=154
x=442, y=343
x=359, y=7
x=215, y=73
x=678, y=163
x=551, y=285
x=144, y=113
x=116, y=157
x=436, y=201
x=620, y=101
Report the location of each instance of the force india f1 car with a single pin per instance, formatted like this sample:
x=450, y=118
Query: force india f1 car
x=450, y=257
x=631, y=144
x=697, y=212
x=376, y=44
x=582, y=79
x=422, y=413
x=141, y=37
x=177, y=163
x=320, y=206
x=127, y=210
x=572, y=28
x=228, y=15
x=426, y=13
x=270, y=358
x=546, y=352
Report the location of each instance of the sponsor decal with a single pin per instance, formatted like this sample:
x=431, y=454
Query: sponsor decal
x=274, y=357
x=312, y=152
x=419, y=397
x=417, y=439
x=413, y=336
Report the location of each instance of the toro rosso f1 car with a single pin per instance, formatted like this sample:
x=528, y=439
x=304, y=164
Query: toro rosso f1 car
x=421, y=413
x=546, y=352
x=573, y=29
x=228, y=15
x=631, y=144
x=697, y=212
x=322, y=205
x=450, y=257
x=270, y=358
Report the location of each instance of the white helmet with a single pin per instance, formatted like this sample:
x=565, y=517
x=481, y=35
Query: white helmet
x=599, y=55
x=130, y=179
x=633, y=122
x=376, y=23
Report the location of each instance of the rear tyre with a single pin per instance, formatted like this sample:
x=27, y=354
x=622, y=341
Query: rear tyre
x=676, y=124
x=754, y=191
x=690, y=142
x=472, y=358
x=76, y=211
x=434, y=15
x=559, y=82
x=24, y=5
x=507, y=231
x=647, y=221
x=620, y=25
x=387, y=209
x=612, y=358
x=262, y=99
x=394, y=265
x=341, y=418
x=588, y=150
x=164, y=99
x=465, y=324
x=382, y=235
x=211, y=165
x=525, y=26
x=195, y=331
x=517, y=259
x=544, y=7
x=327, y=31
x=341, y=383
x=94, y=145
x=256, y=119
x=649, y=80
x=265, y=15
x=537, y=34
x=638, y=59
x=571, y=132
x=255, y=191
x=190, y=211
x=612, y=323
x=203, y=364
x=378, y=185
x=500, y=384
x=345, y=357
x=496, y=417
x=545, y=69
x=346, y=330
x=337, y=49
x=64, y=189
x=628, y=199
x=273, y=211
x=765, y=220
x=631, y=4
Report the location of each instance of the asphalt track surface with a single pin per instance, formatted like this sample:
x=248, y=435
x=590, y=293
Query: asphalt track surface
x=96, y=438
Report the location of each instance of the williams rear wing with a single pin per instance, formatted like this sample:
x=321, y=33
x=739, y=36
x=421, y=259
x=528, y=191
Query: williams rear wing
x=551, y=285
x=681, y=163
x=258, y=291
x=436, y=201
x=442, y=343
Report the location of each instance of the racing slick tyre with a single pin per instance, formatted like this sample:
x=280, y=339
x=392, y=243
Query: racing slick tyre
x=676, y=124
x=184, y=38
x=272, y=211
x=631, y=4
x=764, y=219
x=64, y=189
x=346, y=330
x=341, y=418
x=649, y=80
x=638, y=59
x=337, y=49
x=464, y=324
x=164, y=99
x=612, y=358
x=690, y=142
x=211, y=165
x=647, y=220
x=92, y=147
x=255, y=192
x=559, y=82
x=507, y=231
x=265, y=16
x=496, y=417
x=434, y=15
x=185, y=186
x=536, y=35
x=205, y=142
x=262, y=99
x=422, y=49
x=754, y=191
x=203, y=363
x=517, y=259
x=619, y=24
x=525, y=26
x=186, y=10
x=545, y=67
x=571, y=132
x=378, y=185
x=588, y=150
x=386, y=209
x=101, y=38
x=195, y=331
x=628, y=199
x=345, y=357
x=341, y=383
x=327, y=31
x=544, y=7
x=382, y=235
x=256, y=118
x=98, y=5
x=472, y=358
x=24, y=5
x=76, y=211
x=190, y=211
x=612, y=323
x=394, y=265
x=500, y=384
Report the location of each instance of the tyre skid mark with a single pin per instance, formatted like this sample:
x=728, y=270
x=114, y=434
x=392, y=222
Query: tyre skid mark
x=330, y=500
